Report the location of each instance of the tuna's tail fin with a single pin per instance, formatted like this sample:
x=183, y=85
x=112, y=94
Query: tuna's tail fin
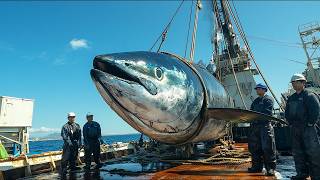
x=240, y=115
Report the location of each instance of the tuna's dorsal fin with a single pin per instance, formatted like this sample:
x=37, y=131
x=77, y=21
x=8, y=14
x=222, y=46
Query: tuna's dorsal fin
x=239, y=115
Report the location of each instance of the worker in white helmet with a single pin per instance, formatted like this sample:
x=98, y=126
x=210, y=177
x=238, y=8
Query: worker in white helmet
x=302, y=113
x=71, y=135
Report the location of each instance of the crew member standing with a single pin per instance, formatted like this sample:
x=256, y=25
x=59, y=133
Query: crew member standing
x=302, y=113
x=92, y=140
x=71, y=135
x=261, y=139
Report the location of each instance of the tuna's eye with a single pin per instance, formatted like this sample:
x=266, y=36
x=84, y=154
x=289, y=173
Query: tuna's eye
x=159, y=74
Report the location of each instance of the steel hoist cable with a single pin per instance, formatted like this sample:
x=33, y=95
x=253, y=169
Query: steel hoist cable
x=233, y=71
x=240, y=29
x=189, y=26
x=164, y=32
x=194, y=34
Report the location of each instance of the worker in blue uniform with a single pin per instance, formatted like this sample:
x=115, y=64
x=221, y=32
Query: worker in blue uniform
x=302, y=113
x=92, y=140
x=71, y=135
x=261, y=138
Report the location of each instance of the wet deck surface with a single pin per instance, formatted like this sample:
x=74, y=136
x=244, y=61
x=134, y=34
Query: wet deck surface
x=285, y=169
x=132, y=169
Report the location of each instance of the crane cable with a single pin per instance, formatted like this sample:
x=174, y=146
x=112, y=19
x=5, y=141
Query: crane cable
x=194, y=34
x=236, y=79
x=240, y=29
x=164, y=32
x=216, y=41
x=187, y=42
x=234, y=73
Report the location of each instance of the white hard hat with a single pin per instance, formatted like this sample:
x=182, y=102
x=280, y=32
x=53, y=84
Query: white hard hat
x=71, y=114
x=298, y=77
x=89, y=114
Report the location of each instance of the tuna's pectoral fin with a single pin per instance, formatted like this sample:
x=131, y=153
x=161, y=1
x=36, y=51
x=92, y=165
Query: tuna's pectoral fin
x=239, y=115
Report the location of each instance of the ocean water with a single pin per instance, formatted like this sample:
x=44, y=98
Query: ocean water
x=38, y=147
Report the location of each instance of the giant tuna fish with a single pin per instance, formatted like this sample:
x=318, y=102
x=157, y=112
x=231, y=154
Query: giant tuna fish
x=167, y=98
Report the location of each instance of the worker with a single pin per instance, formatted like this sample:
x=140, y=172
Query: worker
x=71, y=135
x=261, y=139
x=302, y=113
x=140, y=143
x=92, y=140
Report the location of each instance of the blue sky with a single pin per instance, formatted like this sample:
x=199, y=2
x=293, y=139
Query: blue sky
x=38, y=61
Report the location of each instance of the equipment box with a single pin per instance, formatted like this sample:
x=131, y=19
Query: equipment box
x=15, y=112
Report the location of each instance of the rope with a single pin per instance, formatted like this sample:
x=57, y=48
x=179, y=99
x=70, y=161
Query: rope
x=194, y=34
x=166, y=28
x=280, y=43
x=235, y=76
x=236, y=80
x=240, y=29
x=189, y=26
x=230, y=133
x=226, y=156
x=164, y=35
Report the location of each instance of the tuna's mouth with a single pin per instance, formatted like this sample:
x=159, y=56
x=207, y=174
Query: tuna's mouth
x=112, y=69
x=109, y=67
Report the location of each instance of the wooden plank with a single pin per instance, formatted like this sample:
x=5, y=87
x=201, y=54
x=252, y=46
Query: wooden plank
x=192, y=171
x=209, y=172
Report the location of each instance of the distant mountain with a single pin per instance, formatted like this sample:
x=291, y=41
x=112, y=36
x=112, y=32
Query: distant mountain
x=108, y=138
x=52, y=136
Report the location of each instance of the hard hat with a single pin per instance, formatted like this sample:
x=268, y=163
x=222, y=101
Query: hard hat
x=71, y=114
x=298, y=77
x=261, y=86
x=89, y=114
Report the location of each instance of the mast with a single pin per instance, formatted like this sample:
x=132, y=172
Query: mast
x=310, y=38
x=227, y=29
x=232, y=62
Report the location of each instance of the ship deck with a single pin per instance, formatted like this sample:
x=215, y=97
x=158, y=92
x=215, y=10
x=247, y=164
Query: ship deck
x=187, y=172
x=165, y=170
x=209, y=172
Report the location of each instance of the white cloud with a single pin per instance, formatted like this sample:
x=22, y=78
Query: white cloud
x=43, y=130
x=78, y=43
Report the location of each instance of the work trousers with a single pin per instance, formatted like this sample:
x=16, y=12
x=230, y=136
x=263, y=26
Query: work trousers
x=306, y=150
x=262, y=146
x=92, y=148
